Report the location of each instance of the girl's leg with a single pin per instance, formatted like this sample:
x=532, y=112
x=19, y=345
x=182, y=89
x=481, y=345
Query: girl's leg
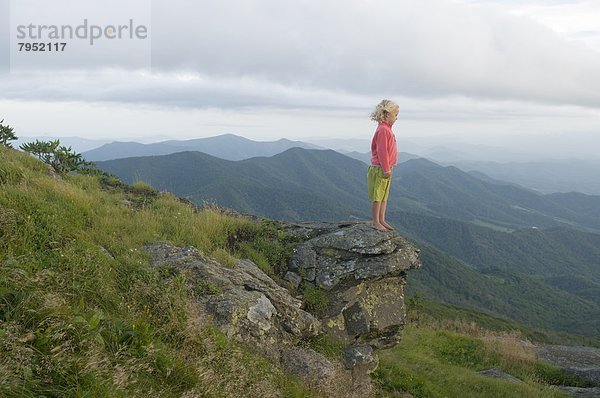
x=382, y=216
x=376, y=211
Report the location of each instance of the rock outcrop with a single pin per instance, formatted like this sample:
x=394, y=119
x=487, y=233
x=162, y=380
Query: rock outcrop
x=580, y=360
x=362, y=272
x=245, y=304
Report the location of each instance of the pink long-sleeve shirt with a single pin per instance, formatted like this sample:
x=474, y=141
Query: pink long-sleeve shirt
x=383, y=147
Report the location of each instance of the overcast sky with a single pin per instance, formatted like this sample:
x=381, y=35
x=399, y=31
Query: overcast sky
x=268, y=69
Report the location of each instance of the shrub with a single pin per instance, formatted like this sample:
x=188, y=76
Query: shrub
x=315, y=298
x=6, y=134
x=142, y=187
x=61, y=158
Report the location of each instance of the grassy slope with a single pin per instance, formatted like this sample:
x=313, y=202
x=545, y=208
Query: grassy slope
x=81, y=313
x=444, y=346
x=438, y=363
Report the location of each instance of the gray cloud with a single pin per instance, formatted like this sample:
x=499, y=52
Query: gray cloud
x=427, y=48
x=333, y=54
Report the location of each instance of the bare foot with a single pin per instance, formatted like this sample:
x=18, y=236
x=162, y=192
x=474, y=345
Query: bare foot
x=387, y=226
x=379, y=227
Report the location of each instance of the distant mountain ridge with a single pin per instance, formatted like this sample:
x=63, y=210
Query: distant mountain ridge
x=226, y=146
x=547, y=176
x=365, y=157
x=420, y=186
x=452, y=193
x=291, y=185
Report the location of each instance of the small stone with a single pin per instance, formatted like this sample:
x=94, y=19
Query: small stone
x=579, y=392
x=497, y=373
x=106, y=252
x=307, y=364
x=357, y=355
x=293, y=278
x=261, y=313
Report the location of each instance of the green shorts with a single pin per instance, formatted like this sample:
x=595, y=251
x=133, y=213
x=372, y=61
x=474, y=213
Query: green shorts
x=379, y=187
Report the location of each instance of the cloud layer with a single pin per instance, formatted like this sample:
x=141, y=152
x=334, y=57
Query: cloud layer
x=400, y=47
x=314, y=53
x=270, y=69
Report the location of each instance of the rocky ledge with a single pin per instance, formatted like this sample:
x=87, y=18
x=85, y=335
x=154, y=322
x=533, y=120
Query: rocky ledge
x=579, y=360
x=362, y=272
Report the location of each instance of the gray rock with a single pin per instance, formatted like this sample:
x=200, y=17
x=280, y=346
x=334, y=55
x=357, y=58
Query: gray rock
x=293, y=278
x=581, y=392
x=104, y=251
x=261, y=313
x=353, y=253
x=363, y=272
x=308, y=364
x=359, y=355
x=361, y=361
x=580, y=360
x=325, y=375
x=252, y=309
x=497, y=373
x=372, y=312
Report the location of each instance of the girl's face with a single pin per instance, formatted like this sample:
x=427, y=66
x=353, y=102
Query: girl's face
x=392, y=116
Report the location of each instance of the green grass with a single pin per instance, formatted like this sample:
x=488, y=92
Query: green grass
x=455, y=318
x=444, y=346
x=438, y=363
x=265, y=244
x=315, y=298
x=495, y=227
x=81, y=311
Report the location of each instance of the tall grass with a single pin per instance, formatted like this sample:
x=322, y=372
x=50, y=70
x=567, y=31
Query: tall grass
x=430, y=363
x=81, y=311
x=440, y=355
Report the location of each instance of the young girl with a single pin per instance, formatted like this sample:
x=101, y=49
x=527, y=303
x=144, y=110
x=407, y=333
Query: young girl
x=384, y=155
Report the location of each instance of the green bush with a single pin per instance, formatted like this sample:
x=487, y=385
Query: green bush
x=327, y=346
x=263, y=243
x=315, y=298
x=7, y=134
x=61, y=158
x=142, y=187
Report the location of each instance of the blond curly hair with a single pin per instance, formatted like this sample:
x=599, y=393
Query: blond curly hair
x=382, y=109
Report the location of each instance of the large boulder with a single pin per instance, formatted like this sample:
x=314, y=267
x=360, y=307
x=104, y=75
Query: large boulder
x=363, y=272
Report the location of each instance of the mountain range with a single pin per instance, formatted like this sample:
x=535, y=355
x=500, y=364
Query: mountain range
x=544, y=173
x=420, y=186
x=487, y=245
x=546, y=176
x=226, y=146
